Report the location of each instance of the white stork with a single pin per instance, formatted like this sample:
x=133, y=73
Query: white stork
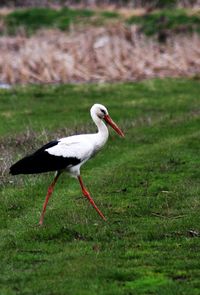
x=68, y=154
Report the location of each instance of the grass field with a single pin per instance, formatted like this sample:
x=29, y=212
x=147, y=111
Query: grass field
x=147, y=185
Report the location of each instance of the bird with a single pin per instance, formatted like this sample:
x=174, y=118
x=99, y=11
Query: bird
x=69, y=154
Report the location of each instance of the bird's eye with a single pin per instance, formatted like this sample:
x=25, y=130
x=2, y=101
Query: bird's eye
x=103, y=111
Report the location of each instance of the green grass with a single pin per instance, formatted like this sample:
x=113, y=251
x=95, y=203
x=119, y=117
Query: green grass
x=33, y=19
x=147, y=185
x=110, y=14
x=175, y=20
x=36, y=18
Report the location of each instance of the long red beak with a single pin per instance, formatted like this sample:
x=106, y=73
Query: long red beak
x=108, y=119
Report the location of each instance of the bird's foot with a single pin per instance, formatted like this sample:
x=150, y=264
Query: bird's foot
x=41, y=222
x=87, y=195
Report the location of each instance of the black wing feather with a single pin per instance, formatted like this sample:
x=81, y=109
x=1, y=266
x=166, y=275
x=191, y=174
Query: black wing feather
x=41, y=161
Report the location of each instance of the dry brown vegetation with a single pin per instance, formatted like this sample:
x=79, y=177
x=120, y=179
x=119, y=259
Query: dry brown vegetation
x=114, y=53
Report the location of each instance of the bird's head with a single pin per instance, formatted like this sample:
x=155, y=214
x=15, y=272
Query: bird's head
x=101, y=112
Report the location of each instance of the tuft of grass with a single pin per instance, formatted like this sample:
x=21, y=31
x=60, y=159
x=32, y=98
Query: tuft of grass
x=30, y=20
x=171, y=20
x=110, y=14
x=36, y=18
x=147, y=185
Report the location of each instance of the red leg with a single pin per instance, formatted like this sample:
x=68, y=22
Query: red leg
x=49, y=192
x=87, y=195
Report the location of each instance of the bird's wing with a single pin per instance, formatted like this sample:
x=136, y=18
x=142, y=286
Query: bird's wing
x=72, y=147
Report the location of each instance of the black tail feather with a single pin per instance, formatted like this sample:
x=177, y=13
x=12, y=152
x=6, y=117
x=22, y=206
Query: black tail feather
x=42, y=162
x=27, y=165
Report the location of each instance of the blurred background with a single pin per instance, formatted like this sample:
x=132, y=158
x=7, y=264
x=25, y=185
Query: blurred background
x=147, y=185
x=58, y=41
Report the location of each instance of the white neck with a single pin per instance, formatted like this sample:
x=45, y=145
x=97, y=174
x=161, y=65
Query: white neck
x=102, y=134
